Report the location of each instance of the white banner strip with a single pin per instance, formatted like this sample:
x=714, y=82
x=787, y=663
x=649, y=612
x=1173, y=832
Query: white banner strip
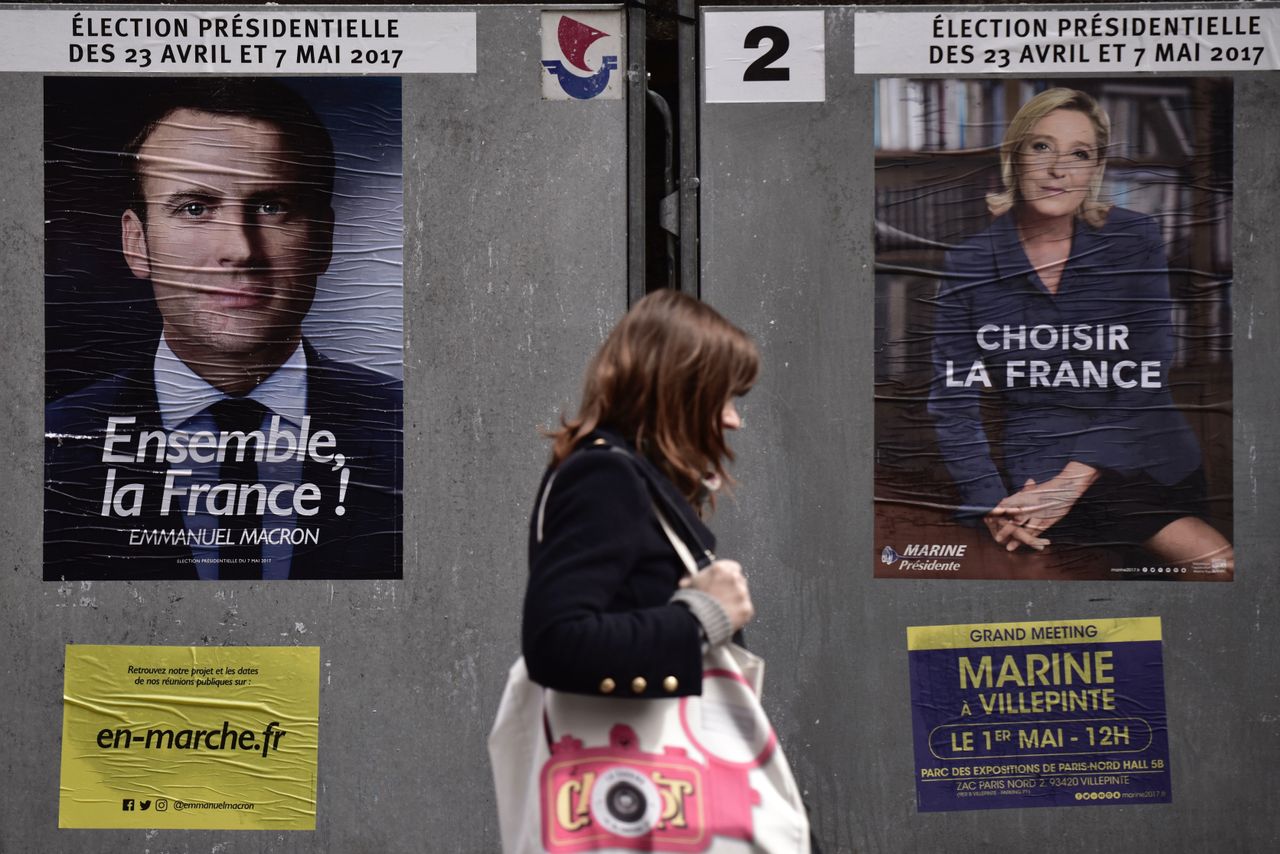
x=237, y=42
x=984, y=41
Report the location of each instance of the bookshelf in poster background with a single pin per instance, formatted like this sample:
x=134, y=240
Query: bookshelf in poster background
x=1147, y=118
x=937, y=157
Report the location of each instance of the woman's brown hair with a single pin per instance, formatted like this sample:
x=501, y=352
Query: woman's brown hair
x=661, y=380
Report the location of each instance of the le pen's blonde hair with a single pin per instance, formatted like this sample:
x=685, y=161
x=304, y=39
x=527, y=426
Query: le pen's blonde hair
x=661, y=380
x=1092, y=210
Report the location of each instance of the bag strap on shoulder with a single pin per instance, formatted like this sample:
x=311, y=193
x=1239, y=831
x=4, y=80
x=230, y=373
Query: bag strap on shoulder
x=668, y=512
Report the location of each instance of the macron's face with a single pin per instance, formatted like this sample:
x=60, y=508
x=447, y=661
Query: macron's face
x=231, y=246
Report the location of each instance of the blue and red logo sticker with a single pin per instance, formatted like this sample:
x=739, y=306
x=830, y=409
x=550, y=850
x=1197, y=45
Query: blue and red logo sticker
x=581, y=56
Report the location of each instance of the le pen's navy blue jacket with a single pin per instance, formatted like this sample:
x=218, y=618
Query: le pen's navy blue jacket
x=597, y=615
x=1115, y=275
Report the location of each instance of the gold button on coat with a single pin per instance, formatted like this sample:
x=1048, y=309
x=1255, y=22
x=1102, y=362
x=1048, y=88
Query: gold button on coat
x=670, y=684
x=639, y=684
x=607, y=685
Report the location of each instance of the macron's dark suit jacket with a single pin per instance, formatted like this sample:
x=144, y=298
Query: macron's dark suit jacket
x=361, y=408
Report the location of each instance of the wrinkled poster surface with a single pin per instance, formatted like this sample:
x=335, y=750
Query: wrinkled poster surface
x=224, y=328
x=1053, y=328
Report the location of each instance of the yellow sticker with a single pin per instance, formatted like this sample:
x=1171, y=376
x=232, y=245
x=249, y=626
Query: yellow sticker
x=219, y=738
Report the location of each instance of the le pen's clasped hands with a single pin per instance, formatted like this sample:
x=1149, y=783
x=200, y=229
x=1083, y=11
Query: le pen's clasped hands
x=1020, y=519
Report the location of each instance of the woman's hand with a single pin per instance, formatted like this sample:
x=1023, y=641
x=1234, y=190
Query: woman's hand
x=725, y=582
x=1021, y=518
x=1009, y=533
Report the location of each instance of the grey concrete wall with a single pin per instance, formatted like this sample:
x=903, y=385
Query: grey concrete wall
x=515, y=268
x=787, y=252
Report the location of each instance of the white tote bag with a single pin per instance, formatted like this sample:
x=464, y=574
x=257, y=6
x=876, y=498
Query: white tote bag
x=689, y=774
x=577, y=773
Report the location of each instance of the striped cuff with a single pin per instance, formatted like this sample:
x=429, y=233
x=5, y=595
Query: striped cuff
x=710, y=613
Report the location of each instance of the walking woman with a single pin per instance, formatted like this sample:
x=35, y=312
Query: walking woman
x=653, y=737
x=609, y=608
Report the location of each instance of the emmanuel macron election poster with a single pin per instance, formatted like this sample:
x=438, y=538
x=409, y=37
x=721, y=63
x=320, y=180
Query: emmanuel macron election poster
x=1053, y=353
x=224, y=312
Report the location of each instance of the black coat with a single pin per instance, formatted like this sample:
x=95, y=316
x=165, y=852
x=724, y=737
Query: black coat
x=597, y=614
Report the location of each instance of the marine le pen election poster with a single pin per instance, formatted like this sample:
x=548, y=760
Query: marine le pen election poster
x=1053, y=354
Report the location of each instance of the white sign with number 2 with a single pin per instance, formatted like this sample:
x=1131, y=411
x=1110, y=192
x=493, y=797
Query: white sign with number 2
x=764, y=56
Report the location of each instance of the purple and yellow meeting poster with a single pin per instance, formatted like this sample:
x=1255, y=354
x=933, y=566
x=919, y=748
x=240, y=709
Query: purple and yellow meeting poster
x=1039, y=714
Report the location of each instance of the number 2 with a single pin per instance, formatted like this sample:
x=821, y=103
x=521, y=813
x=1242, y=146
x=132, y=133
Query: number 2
x=778, y=44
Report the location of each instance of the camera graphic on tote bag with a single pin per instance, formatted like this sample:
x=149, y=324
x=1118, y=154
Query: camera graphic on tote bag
x=621, y=797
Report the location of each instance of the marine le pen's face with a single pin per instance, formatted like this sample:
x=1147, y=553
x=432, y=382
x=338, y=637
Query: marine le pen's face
x=1056, y=163
x=230, y=244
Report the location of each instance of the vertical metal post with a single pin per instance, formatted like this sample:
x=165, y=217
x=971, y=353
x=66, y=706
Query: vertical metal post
x=669, y=205
x=637, y=104
x=687, y=51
